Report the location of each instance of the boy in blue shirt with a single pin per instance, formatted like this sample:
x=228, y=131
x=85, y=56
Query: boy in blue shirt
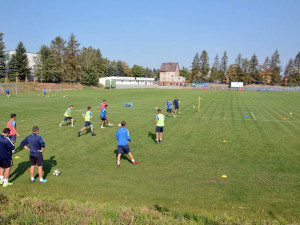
x=103, y=117
x=176, y=105
x=122, y=137
x=44, y=91
x=169, y=108
x=7, y=92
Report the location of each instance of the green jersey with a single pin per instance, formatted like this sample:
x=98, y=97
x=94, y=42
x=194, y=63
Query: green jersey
x=87, y=116
x=160, y=120
x=69, y=110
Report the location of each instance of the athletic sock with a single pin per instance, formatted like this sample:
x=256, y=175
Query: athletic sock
x=1, y=178
x=132, y=160
x=156, y=139
x=160, y=139
x=32, y=178
x=118, y=162
x=5, y=181
x=79, y=131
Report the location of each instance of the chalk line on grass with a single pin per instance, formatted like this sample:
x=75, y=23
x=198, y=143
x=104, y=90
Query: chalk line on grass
x=253, y=116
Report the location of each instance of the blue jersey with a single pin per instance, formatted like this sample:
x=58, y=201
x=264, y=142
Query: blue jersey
x=6, y=147
x=44, y=91
x=175, y=102
x=35, y=143
x=122, y=136
x=103, y=113
x=7, y=90
x=169, y=104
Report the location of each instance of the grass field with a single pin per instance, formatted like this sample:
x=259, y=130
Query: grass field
x=259, y=153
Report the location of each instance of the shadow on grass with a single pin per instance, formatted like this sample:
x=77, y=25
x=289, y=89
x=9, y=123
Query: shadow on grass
x=122, y=156
x=152, y=135
x=23, y=166
x=18, y=149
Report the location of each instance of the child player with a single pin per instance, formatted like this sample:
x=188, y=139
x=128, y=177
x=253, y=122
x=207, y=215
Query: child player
x=176, y=105
x=169, y=108
x=13, y=129
x=45, y=94
x=102, y=105
x=68, y=116
x=7, y=92
x=87, y=117
x=122, y=137
x=160, y=123
x=103, y=117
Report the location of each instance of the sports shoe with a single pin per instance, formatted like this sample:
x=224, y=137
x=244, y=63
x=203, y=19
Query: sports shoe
x=118, y=165
x=32, y=181
x=174, y=116
x=134, y=163
x=1, y=182
x=60, y=125
x=156, y=142
x=72, y=125
x=78, y=134
x=13, y=151
x=93, y=134
x=44, y=181
x=160, y=141
x=102, y=127
x=7, y=185
x=110, y=124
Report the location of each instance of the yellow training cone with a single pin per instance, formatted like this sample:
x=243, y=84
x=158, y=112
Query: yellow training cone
x=17, y=157
x=224, y=141
x=224, y=176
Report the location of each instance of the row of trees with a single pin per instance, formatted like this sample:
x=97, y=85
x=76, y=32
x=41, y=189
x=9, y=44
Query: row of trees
x=243, y=70
x=65, y=61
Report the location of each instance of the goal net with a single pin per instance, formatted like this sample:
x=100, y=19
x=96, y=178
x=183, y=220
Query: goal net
x=53, y=88
x=13, y=89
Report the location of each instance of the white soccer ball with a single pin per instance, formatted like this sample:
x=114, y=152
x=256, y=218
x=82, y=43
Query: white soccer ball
x=56, y=173
x=119, y=125
x=193, y=106
x=291, y=113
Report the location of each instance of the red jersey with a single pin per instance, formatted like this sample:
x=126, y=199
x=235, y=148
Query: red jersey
x=10, y=125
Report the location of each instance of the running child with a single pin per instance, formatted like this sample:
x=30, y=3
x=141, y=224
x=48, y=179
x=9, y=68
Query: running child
x=45, y=94
x=13, y=129
x=160, y=123
x=122, y=136
x=68, y=116
x=176, y=105
x=103, y=117
x=102, y=105
x=87, y=117
x=169, y=108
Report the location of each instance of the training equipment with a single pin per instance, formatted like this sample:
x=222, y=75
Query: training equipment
x=56, y=172
x=22, y=121
x=13, y=89
x=119, y=125
x=224, y=176
x=53, y=88
x=193, y=106
x=291, y=113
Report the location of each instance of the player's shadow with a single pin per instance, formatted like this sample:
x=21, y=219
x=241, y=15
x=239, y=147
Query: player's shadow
x=18, y=149
x=152, y=135
x=87, y=131
x=122, y=156
x=23, y=166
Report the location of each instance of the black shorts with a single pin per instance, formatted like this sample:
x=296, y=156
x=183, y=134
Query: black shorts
x=123, y=149
x=103, y=118
x=13, y=138
x=159, y=129
x=169, y=110
x=6, y=164
x=67, y=118
x=176, y=107
x=36, y=160
x=87, y=123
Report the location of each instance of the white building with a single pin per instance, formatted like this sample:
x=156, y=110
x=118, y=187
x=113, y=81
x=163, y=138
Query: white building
x=32, y=59
x=130, y=81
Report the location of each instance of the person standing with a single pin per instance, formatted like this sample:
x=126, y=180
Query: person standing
x=160, y=123
x=68, y=116
x=13, y=128
x=45, y=94
x=88, y=115
x=122, y=136
x=103, y=117
x=7, y=92
x=176, y=105
x=6, y=147
x=36, y=147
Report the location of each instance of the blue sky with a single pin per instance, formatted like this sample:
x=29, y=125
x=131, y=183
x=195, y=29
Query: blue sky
x=148, y=33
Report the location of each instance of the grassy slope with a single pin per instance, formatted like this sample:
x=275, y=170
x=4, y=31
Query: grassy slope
x=260, y=157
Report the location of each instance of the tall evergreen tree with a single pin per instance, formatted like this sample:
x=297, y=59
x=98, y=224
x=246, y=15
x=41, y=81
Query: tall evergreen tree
x=57, y=48
x=239, y=60
x=13, y=71
x=196, y=70
x=289, y=69
x=274, y=65
x=296, y=76
x=204, y=63
x=266, y=64
x=71, y=62
x=46, y=69
x=2, y=58
x=121, y=71
x=224, y=67
x=22, y=61
x=215, y=71
x=254, y=69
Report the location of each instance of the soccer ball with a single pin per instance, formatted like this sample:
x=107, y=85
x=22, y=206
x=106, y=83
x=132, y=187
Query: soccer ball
x=56, y=172
x=193, y=106
x=119, y=125
x=291, y=113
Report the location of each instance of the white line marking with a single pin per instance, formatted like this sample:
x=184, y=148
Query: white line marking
x=253, y=115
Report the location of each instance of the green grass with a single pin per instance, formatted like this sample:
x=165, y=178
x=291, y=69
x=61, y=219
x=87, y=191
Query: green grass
x=260, y=156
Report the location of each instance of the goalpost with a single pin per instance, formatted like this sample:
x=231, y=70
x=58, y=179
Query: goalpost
x=13, y=89
x=53, y=88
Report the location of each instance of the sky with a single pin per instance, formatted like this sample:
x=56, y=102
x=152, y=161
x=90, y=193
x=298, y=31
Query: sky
x=150, y=32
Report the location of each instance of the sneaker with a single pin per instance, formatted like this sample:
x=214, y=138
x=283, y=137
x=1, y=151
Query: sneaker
x=32, y=181
x=72, y=125
x=118, y=165
x=174, y=116
x=78, y=134
x=160, y=141
x=1, y=182
x=44, y=181
x=60, y=125
x=102, y=127
x=157, y=142
x=134, y=163
x=93, y=134
x=7, y=185
x=13, y=151
x=110, y=124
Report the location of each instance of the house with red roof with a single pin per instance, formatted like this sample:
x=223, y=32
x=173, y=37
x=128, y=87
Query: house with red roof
x=169, y=74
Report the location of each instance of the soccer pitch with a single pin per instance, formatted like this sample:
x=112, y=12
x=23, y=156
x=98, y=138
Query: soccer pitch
x=237, y=134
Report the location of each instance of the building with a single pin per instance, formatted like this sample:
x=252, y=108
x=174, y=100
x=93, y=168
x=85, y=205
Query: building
x=32, y=59
x=130, y=82
x=169, y=74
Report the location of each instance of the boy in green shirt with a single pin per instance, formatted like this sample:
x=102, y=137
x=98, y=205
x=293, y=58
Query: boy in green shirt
x=87, y=117
x=160, y=123
x=68, y=116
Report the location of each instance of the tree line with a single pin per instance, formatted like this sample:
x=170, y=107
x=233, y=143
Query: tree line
x=64, y=61
x=244, y=70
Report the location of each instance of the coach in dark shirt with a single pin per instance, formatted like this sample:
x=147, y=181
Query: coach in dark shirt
x=6, y=147
x=36, y=147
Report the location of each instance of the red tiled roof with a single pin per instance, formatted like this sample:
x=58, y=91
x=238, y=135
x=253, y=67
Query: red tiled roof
x=168, y=67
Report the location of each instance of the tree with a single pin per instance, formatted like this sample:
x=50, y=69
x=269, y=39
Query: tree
x=138, y=71
x=289, y=69
x=90, y=77
x=254, y=69
x=57, y=48
x=2, y=58
x=111, y=70
x=13, y=71
x=245, y=76
x=274, y=65
x=239, y=60
x=224, y=67
x=46, y=69
x=71, y=61
x=204, y=63
x=296, y=76
x=215, y=71
x=266, y=64
x=121, y=71
x=185, y=73
x=196, y=70
x=22, y=61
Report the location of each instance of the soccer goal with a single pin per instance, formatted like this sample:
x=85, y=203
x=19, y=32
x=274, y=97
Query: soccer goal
x=13, y=89
x=53, y=88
